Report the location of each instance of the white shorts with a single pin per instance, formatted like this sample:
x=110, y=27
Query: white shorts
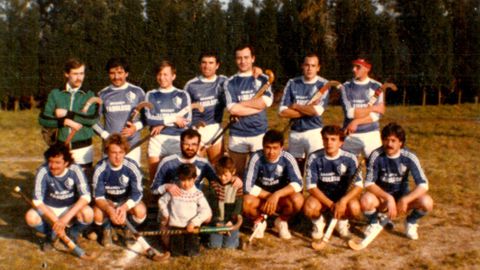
x=58, y=211
x=363, y=143
x=163, y=145
x=245, y=145
x=83, y=155
x=306, y=142
x=209, y=132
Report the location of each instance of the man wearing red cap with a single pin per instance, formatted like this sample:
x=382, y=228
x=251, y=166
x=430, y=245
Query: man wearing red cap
x=361, y=119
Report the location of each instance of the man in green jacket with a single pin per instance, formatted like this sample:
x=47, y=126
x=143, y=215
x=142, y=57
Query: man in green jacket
x=63, y=111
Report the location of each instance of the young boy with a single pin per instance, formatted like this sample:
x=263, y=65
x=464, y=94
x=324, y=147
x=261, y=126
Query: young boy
x=188, y=210
x=329, y=177
x=227, y=203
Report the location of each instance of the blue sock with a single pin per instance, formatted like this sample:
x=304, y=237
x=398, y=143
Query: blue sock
x=372, y=216
x=76, y=229
x=107, y=224
x=42, y=228
x=415, y=215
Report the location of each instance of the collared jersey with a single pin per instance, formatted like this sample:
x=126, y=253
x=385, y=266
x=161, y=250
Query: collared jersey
x=118, y=184
x=332, y=175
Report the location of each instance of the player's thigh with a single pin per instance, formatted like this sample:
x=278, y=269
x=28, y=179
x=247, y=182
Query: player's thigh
x=245, y=145
x=294, y=201
x=297, y=144
x=252, y=202
x=136, y=155
x=353, y=208
x=372, y=140
x=85, y=214
x=312, y=206
x=163, y=145
x=369, y=201
x=424, y=202
x=139, y=211
x=208, y=132
x=313, y=140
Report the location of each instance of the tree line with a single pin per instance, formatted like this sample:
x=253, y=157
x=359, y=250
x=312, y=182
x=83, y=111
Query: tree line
x=429, y=48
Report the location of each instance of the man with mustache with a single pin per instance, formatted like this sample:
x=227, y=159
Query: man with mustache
x=387, y=183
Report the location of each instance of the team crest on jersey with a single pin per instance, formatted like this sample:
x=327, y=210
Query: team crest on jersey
x=198, y=171
x=131, y=97
x=124, y=180
x=279, y=170
x=258, y=83
x=69, y=183
x=403, y=169
x=177, y=101
x=342, y=169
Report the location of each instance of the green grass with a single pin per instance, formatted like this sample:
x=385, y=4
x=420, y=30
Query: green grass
x=446, y=139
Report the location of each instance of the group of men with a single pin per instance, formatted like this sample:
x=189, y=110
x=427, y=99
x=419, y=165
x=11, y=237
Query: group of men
x=272, y=177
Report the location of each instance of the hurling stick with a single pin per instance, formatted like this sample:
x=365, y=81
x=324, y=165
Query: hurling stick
x=145, y=247
x=74, y=248
x=85, y=108
x=271, y=78
x=319, y=245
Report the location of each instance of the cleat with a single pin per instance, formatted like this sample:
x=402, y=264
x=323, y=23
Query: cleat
x=342, y=228
x=411, y=230
x=259, y=229
x=282, y=227
x=317, y=229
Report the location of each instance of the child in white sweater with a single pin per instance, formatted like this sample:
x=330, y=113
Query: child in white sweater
x=188, y=210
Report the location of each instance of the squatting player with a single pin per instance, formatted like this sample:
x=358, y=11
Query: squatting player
x=387, y=183
x=61, y=193
x=273, y=184
x=119, y=100
x=117, y=188
x=165, y=124
x=208, y=90
x=361, y=121
x=329, y=180
x=307, y=120
x=246, y=134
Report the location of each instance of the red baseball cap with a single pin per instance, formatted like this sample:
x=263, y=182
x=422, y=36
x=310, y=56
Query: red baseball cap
x=362, y=62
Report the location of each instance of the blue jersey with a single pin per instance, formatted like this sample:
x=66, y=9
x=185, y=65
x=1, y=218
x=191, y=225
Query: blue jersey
x=357, y=95
x=118, y=184
x=299, y=92
x=391, y=173
x=211, y=95
x=272, y=176
x=118, y=104
x=242, y=88
x=332, y=175
x=60, y=191
x=167, y=172
x=166, y=104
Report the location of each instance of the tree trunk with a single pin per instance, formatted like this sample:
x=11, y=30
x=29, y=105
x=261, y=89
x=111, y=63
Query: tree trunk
x=424, y=97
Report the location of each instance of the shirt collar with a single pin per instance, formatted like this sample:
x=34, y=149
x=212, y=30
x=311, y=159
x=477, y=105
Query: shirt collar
x=205, y=80
x=123, y=87
x=70, y=89
x=363, y=82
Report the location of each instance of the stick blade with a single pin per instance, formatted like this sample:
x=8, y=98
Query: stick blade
x=319, y=245
x=354, y=245
x=89, y=256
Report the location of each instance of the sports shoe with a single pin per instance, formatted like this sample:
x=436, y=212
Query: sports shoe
x=411, y=230
x=342, y=228
x=157, y=256
x=107, y=237
x=259, y=229
x=371, y=228
x=282, y=227
x=385, y=221
x=318, y=227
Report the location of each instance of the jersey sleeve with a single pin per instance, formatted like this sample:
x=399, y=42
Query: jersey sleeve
x=81, y=183
x=251, y=175
x=293, y=172
x=98, y=182
x=268, y=95
x=417, y=172
x=347, y=106
x=352, y=165
x=287, y=98
x=47, y=116
x=311, y=175
x=159, y=181
x=372, y=169
x=135, y=185
x=152, y=116
x=40, y=186
x=230, y=97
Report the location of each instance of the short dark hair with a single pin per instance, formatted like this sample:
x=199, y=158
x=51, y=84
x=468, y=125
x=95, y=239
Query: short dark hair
x=213, y=54
x=333, y=130
x=273, y=136
x=396, y=130
x=59, y=149
x=186, y=171
x=190, y=133
x=163, y=64
x=312, y=54
x=117, y=62
x=118, y=139
x=225, y=164
x=245, y=46
x=72, y=63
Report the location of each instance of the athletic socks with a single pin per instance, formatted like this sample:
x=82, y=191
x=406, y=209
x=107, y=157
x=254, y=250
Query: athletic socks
x=415, y=215
x=76, y=229
x=372, y=216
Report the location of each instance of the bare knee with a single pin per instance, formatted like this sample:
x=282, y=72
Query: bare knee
x=355, y=208
x=311, y=208
x=85, y=215
x=426, y=203
x=32, y=218
x=250, y=205
x=368, y=202
x=139, y=211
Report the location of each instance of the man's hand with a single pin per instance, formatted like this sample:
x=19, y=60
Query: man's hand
x=256, y=72
x=60, y=113
x=59, y=226
x=402, y=206
x=173, y=189
x=72, y=124
x=129, y=130
x=156, y=130
x=190, y=228
x=392, y=207
x=340, y=208
x=112, y=215
x=181, y=122
x=237, y=183
x=270, y=206
x=121, y=213
x=352, y=127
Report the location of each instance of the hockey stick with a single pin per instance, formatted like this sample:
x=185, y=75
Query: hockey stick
x=182, y=112
x=319, y=245
x=146, y=249
x=85, y=108
x=140, y=106
x=74, y=248
x=231, y=121
x=366, y=241
x=259, y=220
x=271, y=78
x=198, y=230
x=363, y=112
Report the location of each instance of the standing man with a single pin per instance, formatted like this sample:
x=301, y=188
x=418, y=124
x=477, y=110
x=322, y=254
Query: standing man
x=361, y=120
x=117, y=187
x=119, y=100
x=61, y=193
x=387, y=183
x=246, y=134
x=63, y=111
x=273, y=184
x=307, y=120
x=165, y=124
x=207, y=89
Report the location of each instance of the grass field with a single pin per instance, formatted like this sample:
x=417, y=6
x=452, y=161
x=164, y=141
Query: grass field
x=446, y=139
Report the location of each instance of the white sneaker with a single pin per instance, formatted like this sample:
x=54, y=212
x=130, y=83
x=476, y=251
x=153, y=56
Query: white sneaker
x=372, y=228
x=318, y=227
x=411, y=230
x=262, y=226
x=342, y=228
x=282, y=227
